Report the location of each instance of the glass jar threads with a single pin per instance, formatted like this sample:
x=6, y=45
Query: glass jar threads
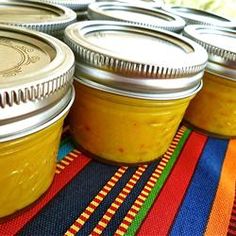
x=214, y=108
x=36, y=94
x=131, y=92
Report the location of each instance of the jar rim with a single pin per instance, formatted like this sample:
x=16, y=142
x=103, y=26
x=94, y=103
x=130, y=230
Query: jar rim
x=221, y=50
x=147, y=96
x=44, y=78
x=85, y=39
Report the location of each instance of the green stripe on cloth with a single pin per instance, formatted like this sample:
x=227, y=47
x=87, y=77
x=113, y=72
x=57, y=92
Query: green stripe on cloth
x=152, y=196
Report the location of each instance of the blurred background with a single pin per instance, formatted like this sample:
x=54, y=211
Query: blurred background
x=226, y=8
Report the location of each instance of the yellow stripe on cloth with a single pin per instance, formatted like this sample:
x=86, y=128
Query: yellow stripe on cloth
x=221, y=211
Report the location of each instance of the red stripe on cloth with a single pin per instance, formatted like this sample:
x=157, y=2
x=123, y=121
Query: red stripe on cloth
x=232, y=223
x=13, y=225
x=161, y=215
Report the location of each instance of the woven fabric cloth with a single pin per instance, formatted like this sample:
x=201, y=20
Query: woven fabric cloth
x=190, y=191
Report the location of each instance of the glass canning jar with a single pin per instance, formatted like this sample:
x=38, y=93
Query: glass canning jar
x=214, y=109
x=36, y=94
x=131, y=92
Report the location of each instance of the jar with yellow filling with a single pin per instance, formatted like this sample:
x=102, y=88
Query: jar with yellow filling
x=130, y=93
x=122, y=129
x=35, y=97
x=28, y=167
x=213, y=110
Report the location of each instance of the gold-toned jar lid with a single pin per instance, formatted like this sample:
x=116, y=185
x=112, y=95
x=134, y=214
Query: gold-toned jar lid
x=220, y=44
x=134, y=58
x=199, y=17
x=76, y=5
x=148, y=3
x=136, y=14
x=35, y=76
x=38, y=16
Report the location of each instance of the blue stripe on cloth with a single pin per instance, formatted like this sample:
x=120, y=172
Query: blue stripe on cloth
x=125, y=207
x=106, y=203
x=65, y=148
x=194, y=212
x=59, y=214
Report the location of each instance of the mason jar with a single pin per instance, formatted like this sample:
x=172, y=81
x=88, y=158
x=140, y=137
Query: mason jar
x=213, y=110
x=193, y=16
x=137, y=14
x=131, y=92
x=36, y=94
x=47, y=18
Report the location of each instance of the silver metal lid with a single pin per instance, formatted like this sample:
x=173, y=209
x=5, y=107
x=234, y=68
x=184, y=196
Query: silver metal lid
x=76, y=5
x=135, y=58
x=196, y=16
x=163, y=91
x=136, y=14
x=35, y=121
x=37, y=72
x=148, y=3
x=51, y=19
x=220, y=44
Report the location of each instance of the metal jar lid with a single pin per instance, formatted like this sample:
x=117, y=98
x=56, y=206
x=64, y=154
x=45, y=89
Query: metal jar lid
x=77, y=5
x=48, y=18
x=136, y=59
x=196, y=16
x=35, y=75
x=136, y=14
x=220, y=44
x=148, y=3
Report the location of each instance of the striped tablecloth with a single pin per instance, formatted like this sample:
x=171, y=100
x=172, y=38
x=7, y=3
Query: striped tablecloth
x=191, y=191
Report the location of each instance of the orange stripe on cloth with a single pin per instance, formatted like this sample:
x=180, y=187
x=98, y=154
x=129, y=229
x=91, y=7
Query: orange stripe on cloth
x=104, y=221
x=81, y=220
x=61, y=165
x=221, y=210
x=232, y=223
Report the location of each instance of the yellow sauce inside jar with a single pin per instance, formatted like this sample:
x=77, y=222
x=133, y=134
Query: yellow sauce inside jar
x=214, y=108
x=27, y=167
x=122, y=129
